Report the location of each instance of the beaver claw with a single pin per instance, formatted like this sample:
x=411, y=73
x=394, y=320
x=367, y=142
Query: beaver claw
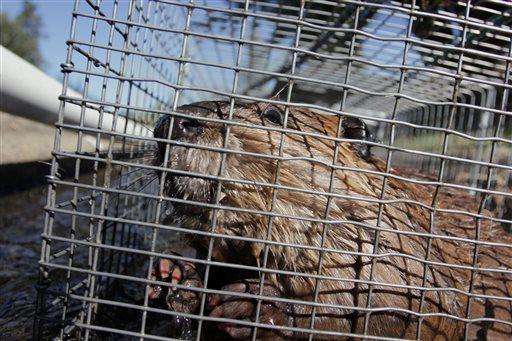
x=175, y=272
x=241, y=308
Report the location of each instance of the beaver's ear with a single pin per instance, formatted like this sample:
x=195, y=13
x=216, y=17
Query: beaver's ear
x=274, y=115
x=355, y=128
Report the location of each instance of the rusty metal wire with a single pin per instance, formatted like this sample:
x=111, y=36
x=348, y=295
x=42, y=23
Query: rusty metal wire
x=437, y=100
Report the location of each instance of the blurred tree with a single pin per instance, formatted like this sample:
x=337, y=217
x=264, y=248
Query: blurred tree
x=21, y=34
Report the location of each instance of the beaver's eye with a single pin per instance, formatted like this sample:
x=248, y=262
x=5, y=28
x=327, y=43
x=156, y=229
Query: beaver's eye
x=192, y=125
x=274, y=115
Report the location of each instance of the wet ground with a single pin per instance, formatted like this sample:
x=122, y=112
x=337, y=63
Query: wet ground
x=21, y=222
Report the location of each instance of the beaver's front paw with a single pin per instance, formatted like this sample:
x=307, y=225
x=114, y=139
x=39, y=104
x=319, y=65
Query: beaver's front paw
x=176, y=272
x=272, y=312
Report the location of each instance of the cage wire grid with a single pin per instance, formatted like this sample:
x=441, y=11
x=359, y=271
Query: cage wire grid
x=430, y=78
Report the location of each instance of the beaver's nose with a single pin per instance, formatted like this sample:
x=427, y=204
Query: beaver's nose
x=186, y=127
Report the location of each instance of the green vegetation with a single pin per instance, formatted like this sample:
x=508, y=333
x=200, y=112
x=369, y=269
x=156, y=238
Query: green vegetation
x=21, y=34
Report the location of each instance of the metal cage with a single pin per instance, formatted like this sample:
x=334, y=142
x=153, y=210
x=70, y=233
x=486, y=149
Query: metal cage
x=430, y=78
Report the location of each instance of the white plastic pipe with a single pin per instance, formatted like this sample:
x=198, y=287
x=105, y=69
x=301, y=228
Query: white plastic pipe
x=27, y=91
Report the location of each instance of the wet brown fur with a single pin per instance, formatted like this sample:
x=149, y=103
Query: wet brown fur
x=296, y=172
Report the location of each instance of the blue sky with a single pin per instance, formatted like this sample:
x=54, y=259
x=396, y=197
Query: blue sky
x=56, y=16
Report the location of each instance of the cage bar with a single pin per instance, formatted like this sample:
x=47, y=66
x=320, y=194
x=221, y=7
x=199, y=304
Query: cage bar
x=430, y=80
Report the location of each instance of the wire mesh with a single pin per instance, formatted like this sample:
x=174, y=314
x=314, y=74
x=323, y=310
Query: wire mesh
x=317, y=258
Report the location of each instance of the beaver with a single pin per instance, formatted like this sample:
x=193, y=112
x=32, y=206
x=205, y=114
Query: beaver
x=306, y=181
